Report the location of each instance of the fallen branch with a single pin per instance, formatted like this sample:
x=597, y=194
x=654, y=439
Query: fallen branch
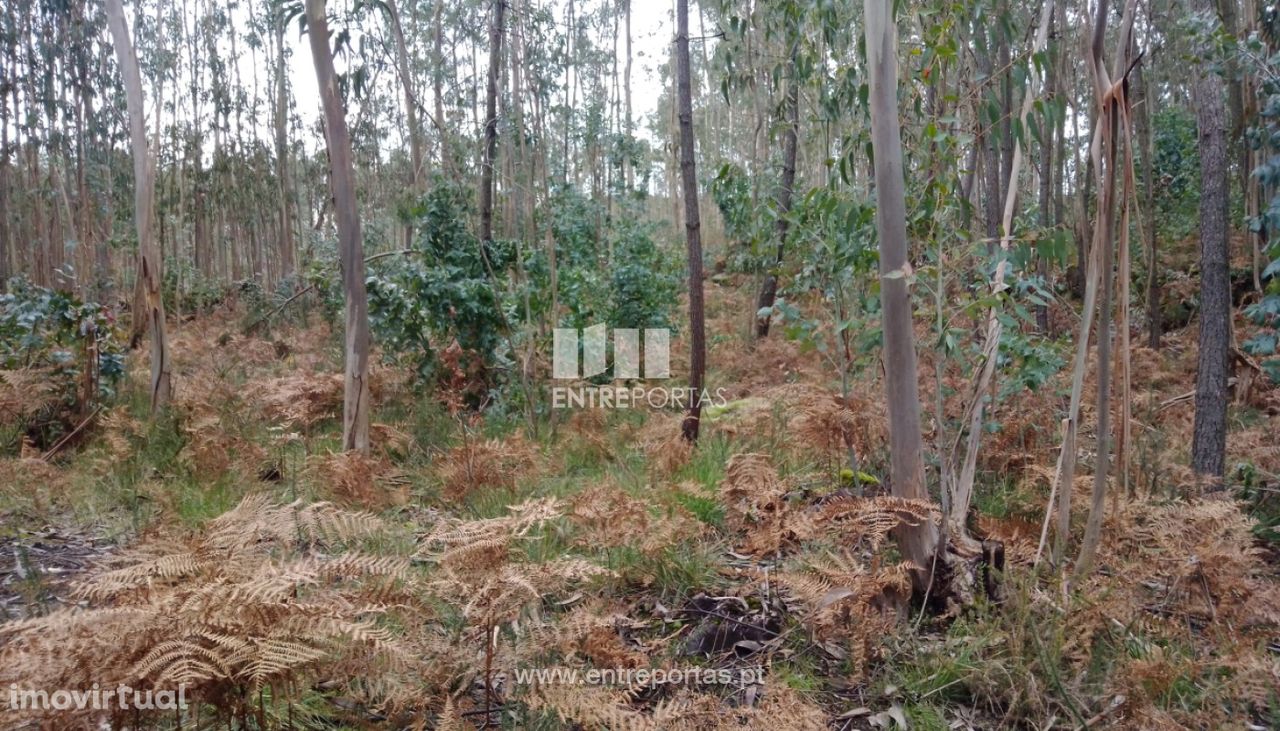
x=367, y=260
x=63, y=441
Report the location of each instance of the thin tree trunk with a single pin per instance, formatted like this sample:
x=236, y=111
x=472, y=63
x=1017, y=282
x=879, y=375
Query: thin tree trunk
x=769, y=290
x=491, y=123
x=918, y=543
x=1142, y=104
x=355, y=407
x=629, y=168
x=282, y=154
x=410, y=101
x=437, y=85
x=692, y=227
x=1113, y=111
x=1046, y=178
x=144, y=202
x=990, y=150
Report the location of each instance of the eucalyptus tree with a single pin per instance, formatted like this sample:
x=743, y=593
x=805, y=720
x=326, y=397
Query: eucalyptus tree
x=356, y=405
x=906, y=446
x=491, y=122
x=792, y=19
x=144, y=202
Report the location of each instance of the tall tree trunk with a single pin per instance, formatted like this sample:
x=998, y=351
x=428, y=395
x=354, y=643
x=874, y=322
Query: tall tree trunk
x=416, y=158
x=1113, y=109
x=692, y=228
x=6, y=246
x=437, y=86
x=626, y=85
x=342, y=182
x=906, y=447
x=1209, y=441
x=988, y=132
x=1142, y=104
x=144, y=202
x=769, y=290
x=1005, y=71
x=282, y=154
x=491, y=123
x=1046, y=176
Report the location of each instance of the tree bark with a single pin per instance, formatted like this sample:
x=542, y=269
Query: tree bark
x=628, y=167
x=1046, y=176
x=437, y=86
x=410, y=99
x=906, y=447
x=144, y=202
x=491, y=123
x=282, y=154
x=1142, y=104
x=990, y=150
x=1209, y=440
x=342, y=182
x=692, y=228
x=1113, y=108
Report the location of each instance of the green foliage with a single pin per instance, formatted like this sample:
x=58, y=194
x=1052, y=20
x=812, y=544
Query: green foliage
x=606, y=271
x=1265, y=137
x=42, y=327
x=746, y=224
x=197, y=294
x=643, y=281
x=49, y=331
x=836, y=239
x=444, y=289
x=1176, y=163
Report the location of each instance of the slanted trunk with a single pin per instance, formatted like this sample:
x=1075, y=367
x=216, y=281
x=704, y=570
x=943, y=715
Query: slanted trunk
x=410, y=100
x=152, y=312
x=1142, y=104
x=769, y=290
x=906, y=447
x=692, y=227
x=342, y=183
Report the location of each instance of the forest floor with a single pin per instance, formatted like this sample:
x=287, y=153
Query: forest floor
x=602, y=541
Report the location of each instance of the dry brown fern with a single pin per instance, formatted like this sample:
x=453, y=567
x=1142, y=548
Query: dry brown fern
x=479, y=560
x=265, y=596
x=492, y=463
x=870, y=520
x=848, y=603
x=359, y=479
x=606, y=516
x=756, y=504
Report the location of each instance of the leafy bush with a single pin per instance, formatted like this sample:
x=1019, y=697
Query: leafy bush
x=444, y=289
x=643, y=280
x=52, y=334
x=746, y=224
